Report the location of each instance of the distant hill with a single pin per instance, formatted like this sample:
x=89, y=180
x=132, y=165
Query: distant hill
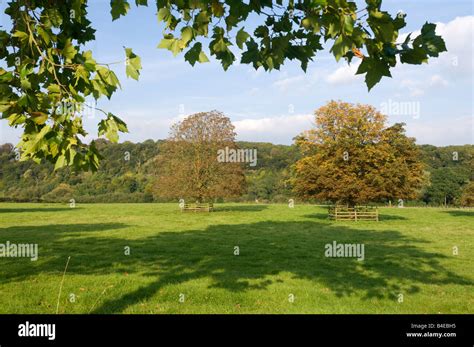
x=127, y=171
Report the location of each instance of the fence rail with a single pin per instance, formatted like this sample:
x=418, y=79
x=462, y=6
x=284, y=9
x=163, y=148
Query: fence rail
x=197, y=207
x=358, y=213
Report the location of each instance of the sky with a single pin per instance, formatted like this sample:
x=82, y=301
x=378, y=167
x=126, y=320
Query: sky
x=435, y=100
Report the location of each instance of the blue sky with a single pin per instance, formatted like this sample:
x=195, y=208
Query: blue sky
x=436, y=98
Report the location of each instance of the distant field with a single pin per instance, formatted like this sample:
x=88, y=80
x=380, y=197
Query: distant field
x=185, y=263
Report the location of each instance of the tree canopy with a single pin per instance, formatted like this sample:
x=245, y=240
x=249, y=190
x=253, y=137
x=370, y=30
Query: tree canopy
x=188, y=165
x=48, y=73
x=352, y=157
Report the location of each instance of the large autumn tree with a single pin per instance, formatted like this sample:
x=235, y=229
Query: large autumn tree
x=45, y=63
x=353, y=157
x=188, y=166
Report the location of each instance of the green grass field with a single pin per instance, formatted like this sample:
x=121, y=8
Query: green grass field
x=409, y=252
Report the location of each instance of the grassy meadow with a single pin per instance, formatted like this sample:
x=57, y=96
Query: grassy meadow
x=185, y=263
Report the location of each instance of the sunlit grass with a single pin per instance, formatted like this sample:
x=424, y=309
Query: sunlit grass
x=409, y=252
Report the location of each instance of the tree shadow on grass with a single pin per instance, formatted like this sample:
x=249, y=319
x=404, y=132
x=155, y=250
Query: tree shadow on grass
x=50, y=232
x=240, y=208
x=382, y=217
x=394, y=263
x=47, y=237
x=457, y=213
x=39, y=209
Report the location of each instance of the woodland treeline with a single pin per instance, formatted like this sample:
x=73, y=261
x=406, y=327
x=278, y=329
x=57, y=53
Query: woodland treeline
x=127, y=173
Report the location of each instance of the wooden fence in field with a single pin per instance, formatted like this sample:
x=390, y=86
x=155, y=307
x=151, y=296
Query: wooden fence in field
x=358, y=213
x=197, y=207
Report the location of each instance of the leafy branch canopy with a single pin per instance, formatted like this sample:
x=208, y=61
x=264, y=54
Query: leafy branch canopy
x=47, y=75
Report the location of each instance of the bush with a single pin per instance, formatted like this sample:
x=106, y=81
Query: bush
x=116, y=198
x=62, y=193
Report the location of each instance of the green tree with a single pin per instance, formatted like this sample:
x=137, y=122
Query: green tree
x=49, y=74
x=446, y=186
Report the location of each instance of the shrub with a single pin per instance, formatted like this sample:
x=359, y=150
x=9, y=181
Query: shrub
x=62, y=193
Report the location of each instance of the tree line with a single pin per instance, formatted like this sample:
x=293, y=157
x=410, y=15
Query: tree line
x=351, y=156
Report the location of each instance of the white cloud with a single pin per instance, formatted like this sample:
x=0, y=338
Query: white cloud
x=458, y=35
x=438, y=81
x=414, y=87
x=278, y=129
x=419, y=87
x=286, y=83
x=449, y=131
x=344, y=74
x=302, y=81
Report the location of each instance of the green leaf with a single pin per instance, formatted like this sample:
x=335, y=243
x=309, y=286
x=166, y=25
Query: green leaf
x=219, y=46
x=69, y=51
x=21, y=35
x=72, y=154
x=44, y=35
x=111, y=126
x=5, y=76
x=60, y=162
x=202, y=18
x=55, y=17
x=54, y=89
x=4, y=107
x=217, y=9
x=39, y=117
x=172, y=44
x=108, y=76
x=25, y=83
x=203, y=57
x=163, y=14
x=195, y=54
x=241, y=37
x=166, y=43
x=119, y=8
x=432, y=43
x=16, y=119
x=187, y=34
x=89, y=62
x=252, y=55
x=414, y=56
x=375, y=69
x=348, y=24
x=341, y=46
x=133, y=64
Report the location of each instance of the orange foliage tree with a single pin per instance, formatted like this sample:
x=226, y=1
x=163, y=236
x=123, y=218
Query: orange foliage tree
x=188, y=165
x=353, y=157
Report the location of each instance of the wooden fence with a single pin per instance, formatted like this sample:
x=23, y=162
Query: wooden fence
x=197, y=207
x=358, y=213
